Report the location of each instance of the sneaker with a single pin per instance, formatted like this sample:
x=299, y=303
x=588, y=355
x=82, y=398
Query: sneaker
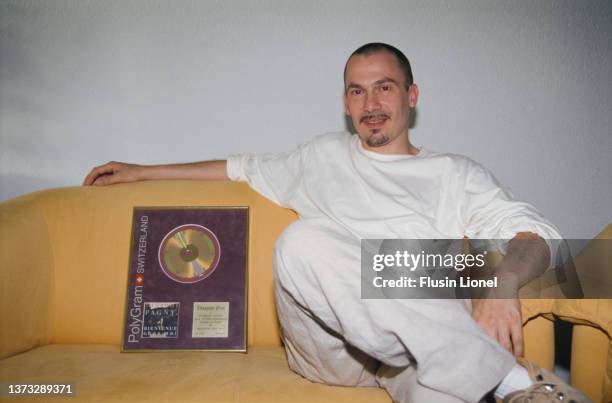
x=546, y=388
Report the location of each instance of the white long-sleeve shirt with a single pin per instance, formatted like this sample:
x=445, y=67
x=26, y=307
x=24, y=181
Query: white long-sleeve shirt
x=372, y=195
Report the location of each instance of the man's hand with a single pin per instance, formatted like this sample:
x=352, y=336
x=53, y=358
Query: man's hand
x=113, y=172
x=499, y=312
x=501, y=319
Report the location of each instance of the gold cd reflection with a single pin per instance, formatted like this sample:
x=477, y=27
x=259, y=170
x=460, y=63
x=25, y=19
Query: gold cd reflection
x=189, y=253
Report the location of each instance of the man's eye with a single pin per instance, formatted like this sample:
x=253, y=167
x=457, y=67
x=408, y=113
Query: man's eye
x=385, y=88
x=356, y=91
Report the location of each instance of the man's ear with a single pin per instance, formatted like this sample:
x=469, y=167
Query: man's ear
x=413, y=95
x=345, y=102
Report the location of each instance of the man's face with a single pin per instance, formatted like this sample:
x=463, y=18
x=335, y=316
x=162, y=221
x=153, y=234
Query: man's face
x=378, y=102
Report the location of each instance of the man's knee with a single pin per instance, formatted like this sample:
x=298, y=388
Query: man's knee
x=311, y=252
x=293, y=238
x=303, y=241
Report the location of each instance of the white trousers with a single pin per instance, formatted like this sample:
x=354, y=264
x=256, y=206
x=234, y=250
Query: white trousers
x=419, y=350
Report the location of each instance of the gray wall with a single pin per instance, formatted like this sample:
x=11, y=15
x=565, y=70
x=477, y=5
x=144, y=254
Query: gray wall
x=521, y=86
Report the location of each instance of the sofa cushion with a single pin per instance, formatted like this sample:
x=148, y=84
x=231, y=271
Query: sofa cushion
x=101, y=373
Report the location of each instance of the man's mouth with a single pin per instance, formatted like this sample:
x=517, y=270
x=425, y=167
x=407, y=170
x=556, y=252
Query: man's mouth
x=374, y=121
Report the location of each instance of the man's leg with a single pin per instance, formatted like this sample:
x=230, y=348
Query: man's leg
x=403, y=386
x=318, y=353
x=317, y=268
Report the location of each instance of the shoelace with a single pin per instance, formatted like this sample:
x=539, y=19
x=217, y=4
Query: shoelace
x=541, y=388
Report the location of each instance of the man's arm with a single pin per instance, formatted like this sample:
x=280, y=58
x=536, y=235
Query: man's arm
x=119, y=172
x=491, y=212
x=527, y=257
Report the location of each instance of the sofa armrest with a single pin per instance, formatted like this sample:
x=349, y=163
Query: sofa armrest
x=591, y=361
x=26, y=276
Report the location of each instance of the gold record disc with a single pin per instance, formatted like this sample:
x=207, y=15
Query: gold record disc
x=189, y=253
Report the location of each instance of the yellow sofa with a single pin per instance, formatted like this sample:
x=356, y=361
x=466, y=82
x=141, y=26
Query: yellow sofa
x=63, y=270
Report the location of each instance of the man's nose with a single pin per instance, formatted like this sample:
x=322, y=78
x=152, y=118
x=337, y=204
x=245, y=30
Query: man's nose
x=371, y=102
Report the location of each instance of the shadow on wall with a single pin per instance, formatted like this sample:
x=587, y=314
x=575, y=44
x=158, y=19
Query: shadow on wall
x=17, y=185
x=412, y=121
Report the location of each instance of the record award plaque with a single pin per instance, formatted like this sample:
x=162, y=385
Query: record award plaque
x=187, y=279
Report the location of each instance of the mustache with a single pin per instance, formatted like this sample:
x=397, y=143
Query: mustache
x=368, y=116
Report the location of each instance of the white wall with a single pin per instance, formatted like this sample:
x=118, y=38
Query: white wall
x=521, y=86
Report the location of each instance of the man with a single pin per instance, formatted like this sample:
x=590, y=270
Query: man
x=378, y=185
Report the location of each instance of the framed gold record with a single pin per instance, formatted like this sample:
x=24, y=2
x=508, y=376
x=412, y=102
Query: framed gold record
x=187, y=279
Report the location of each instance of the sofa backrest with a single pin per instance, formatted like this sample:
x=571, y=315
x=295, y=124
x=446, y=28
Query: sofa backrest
x=86, y=233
